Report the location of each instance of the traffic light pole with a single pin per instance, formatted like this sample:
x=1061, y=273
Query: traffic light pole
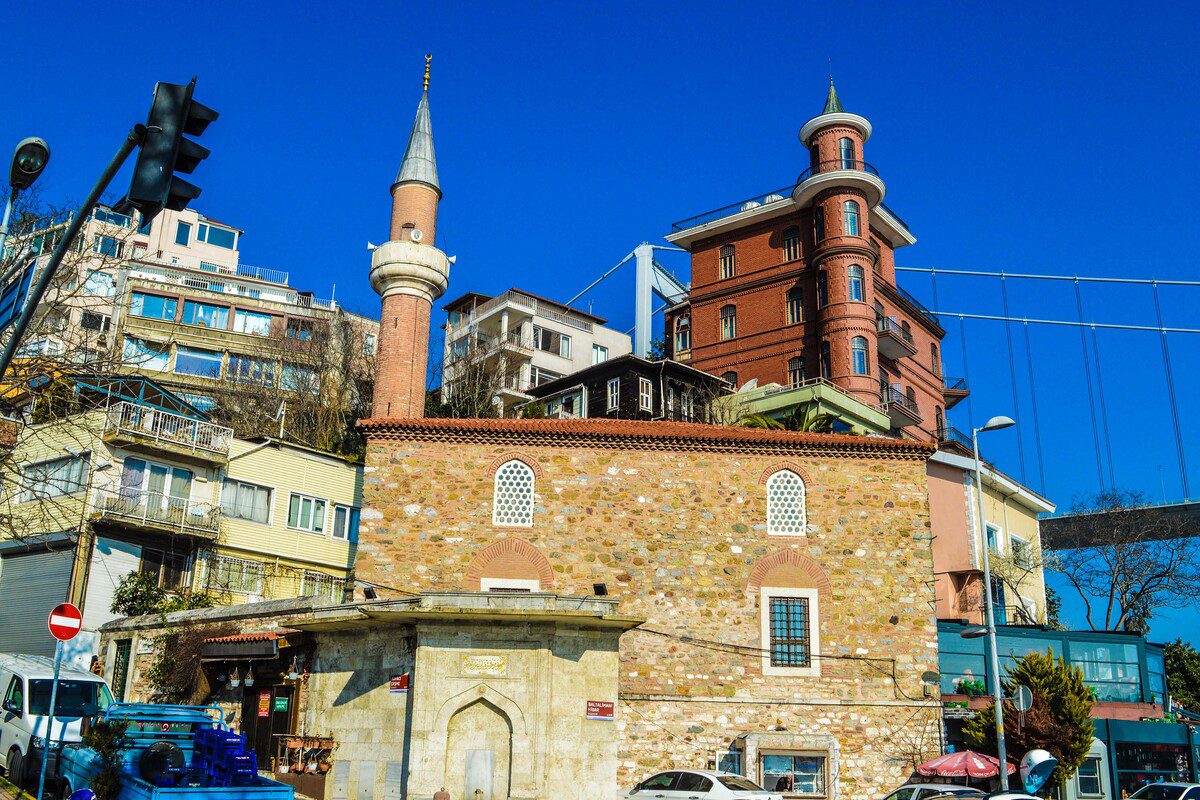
x=35, y=296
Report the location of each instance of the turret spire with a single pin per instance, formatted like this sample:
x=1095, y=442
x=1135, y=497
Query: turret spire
x=832, y=104
x=419, y=165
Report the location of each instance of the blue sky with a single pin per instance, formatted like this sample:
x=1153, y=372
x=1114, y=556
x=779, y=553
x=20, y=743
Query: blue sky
x=1028, y=137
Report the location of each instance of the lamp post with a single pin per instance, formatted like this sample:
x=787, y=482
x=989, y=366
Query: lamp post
x=28, y=161
x=993, y=424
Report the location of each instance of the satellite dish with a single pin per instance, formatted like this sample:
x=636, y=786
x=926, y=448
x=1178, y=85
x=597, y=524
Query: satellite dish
x=771, y=198
x=1022, y=699
x=1036, y=767
x=748, y=385
x=749, y=204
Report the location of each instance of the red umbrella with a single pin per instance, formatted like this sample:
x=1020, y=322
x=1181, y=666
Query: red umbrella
x=963, y=765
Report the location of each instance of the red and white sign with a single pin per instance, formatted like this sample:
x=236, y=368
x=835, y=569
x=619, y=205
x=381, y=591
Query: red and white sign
x=398, y=684
x=65, y=622
x=601, y=710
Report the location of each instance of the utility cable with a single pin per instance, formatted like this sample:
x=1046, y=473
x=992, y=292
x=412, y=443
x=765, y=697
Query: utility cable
x=1087, y=369
x=1112, y=480
x=1183, y=476
x=1029, y=276
x=962, y=338
x=1012, y=373
x=1037, y=426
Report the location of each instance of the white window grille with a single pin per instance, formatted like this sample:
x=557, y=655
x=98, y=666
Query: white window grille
x=512, y=500
x=614, y=393
x=645, y=394
x=787, y=514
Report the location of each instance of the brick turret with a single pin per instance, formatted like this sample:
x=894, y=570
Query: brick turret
x=409, y=273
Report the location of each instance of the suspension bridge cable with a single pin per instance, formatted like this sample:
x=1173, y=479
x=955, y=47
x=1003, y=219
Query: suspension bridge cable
x=1112, y=479
x=1012, y=374
x=1030, y=276
x=1037, y=426
x=1087, y=369
x=933, y=281
x=1068, y=323
x=962, y=338
x=1183, y=477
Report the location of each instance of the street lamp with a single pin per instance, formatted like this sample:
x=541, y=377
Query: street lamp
x=28, y=161
x=993, y=424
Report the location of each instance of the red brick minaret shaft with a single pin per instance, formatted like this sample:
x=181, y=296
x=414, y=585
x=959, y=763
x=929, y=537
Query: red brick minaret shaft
x=410, y=274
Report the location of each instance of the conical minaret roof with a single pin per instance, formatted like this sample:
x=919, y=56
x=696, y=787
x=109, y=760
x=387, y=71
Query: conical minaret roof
x=419, y=165
x=832, y=104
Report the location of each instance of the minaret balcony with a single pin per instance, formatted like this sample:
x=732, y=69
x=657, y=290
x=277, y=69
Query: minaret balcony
x=839, y=172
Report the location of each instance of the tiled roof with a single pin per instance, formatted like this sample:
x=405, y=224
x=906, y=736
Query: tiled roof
x=263, y=636
x=627, y=434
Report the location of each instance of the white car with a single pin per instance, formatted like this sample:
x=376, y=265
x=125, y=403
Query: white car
x=699, y=784
x=1167, y=791
x=923, y=791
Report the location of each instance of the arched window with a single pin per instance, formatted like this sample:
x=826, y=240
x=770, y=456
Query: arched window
x=846, y=152
x=795, y=371
x=850, y=218
x=826, y=365
x=728, y=321
x=512, y=496
x=787, y=514
x=904, y=326
x=939, y=419
x=791, y=243
x=795, y=306
x=856, y=283
x=858, y=353
x=935, y=359
x=683, y=334
x=730, y=378
x=728, y=260
x=819, y=224
x=822, y=289
x=910, y=394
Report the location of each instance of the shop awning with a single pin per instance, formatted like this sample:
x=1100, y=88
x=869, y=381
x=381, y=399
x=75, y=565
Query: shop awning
x=244, y=645
x=966, y=764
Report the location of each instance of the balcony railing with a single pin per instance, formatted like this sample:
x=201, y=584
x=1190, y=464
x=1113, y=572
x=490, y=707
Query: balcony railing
x=894, y=396
x=533, y=305
x=196, y=276
x=154, y=425
x=892, y=325
x=835, y=165
x=948, y=434
x=952, y=384
x=807, y=382
x=748, y=204
x=918, y=306
x=894, y=215
x=160, y=511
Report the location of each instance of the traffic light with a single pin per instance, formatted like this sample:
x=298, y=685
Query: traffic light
x=164, y=151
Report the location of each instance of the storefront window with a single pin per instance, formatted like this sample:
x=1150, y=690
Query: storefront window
x=1110, y=668
x=1140, y=763
x=794, y=774
x=1156, y=674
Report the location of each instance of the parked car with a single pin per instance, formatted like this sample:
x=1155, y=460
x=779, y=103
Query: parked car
x=1167, y=791
x=924, y=791
x=699, y=784
x=26, y=683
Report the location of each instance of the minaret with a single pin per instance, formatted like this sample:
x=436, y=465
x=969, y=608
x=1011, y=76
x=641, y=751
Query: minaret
x=409, y=273
x=841, y=188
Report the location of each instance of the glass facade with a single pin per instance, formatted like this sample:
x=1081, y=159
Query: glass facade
x=1120, y=667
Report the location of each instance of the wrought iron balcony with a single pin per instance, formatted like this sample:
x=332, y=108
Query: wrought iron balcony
x=895, y=341
x=159, y=512
x=952, y=437
x=155, y=429
x=894, y=215
x=898, y=406
x=749, y=204
x=835, y=165
x=954, y=390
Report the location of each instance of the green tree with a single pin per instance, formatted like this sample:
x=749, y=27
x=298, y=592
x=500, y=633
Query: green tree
x=1054, y=610
x=108, y=739
x=1183, y=674
x=1060, y=720
x=139, y=594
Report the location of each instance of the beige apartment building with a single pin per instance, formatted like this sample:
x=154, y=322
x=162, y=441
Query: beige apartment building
x=530, y=340
x=171, y=299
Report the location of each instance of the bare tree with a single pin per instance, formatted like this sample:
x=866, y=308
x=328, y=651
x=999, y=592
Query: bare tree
x=471, y=377
x=1127, y=560
x=1019, y=568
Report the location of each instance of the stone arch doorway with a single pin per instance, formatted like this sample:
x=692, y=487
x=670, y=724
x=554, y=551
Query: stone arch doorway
x=479, y=752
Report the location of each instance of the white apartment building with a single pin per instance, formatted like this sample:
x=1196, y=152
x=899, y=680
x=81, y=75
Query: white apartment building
x=533, y=341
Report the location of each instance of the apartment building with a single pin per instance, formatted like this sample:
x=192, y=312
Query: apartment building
x=142, y=482
x=170, y=298
x=800, y=283
x=530, y=340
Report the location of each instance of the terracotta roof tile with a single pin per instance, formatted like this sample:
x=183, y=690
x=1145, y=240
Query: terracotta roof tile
x=262, y=636
x=622, y=434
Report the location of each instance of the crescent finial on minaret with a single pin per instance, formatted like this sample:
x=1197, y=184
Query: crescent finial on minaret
x=428, y=58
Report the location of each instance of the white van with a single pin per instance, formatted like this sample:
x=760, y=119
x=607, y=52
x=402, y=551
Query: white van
x=25, y=683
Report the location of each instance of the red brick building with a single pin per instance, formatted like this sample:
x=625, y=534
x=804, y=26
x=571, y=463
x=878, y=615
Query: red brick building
x=800, y=285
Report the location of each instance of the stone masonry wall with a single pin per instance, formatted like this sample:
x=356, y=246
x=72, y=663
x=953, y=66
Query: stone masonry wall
x=679, y=537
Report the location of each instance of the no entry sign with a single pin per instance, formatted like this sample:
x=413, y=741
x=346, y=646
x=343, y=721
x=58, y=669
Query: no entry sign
x=65, y=622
